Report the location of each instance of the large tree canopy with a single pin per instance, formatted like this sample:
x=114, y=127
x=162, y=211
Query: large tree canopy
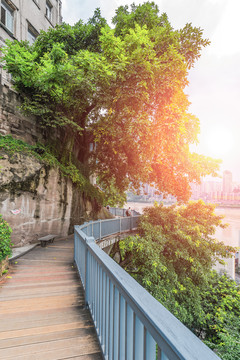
x=172, y=257
x=120, y=89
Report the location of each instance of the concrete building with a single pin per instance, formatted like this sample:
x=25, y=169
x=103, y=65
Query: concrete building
x=227, y=182
x=23, y=20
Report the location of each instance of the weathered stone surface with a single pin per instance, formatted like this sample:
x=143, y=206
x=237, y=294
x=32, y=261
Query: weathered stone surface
x=17, y=168
x=13, y=122
x=35, y=199
x=38, y=195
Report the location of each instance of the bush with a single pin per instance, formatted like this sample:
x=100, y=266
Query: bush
x=5, y=240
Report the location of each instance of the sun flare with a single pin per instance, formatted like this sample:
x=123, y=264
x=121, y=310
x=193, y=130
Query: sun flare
x=219, y=142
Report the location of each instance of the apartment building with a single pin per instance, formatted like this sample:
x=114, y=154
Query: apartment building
x=23, y=20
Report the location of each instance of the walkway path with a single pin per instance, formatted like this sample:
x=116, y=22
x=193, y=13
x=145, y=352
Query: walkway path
x=42, y=313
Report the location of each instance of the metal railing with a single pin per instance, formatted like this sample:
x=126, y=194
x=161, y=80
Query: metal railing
x=130, y=323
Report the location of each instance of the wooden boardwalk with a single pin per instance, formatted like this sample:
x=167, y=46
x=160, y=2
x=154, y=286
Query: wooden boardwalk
x=42, y=315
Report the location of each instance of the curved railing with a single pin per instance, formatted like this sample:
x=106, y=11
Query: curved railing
x=130, y=323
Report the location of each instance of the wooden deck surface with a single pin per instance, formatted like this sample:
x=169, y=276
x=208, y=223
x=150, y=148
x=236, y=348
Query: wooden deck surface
x=42, y=315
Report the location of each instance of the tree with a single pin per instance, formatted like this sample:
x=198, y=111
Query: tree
x=120, y=89
x=172, y=257
x=221, y=303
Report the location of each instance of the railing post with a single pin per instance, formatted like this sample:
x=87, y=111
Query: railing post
x=100, y=229
x=75, y=242
x=87, y=280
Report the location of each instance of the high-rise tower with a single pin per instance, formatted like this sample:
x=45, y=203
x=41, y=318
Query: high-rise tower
x=227, y=182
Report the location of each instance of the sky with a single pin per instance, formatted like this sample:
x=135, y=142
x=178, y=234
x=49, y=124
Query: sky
x=214, y=82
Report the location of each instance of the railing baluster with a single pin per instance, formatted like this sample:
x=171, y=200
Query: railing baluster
x=113, y=324
x=89, y=288
x=116, y=315
x=98, y=299
x=101, y=305
x=145, y=344
x=107, y=309
x=139, y=339
x=95, y=291
x=122, y=328
x=129, y=333
x=134, y=337
x=93, y=287
x=126, y=343
x=91, y=284
x=110, y=321
x=150, y=347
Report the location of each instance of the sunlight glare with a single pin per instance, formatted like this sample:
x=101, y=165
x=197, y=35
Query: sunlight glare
x=219, y=142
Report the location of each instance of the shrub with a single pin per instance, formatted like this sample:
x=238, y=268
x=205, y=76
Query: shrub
x=5, y=240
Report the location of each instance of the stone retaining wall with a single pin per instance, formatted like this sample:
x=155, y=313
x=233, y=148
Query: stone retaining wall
x=13, y=122
x=35, y=199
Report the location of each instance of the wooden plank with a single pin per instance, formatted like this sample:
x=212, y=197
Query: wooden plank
x=42, y=309
x=40, y=305
x=42, y=338
x=79, y=343
x=40, y=322
x=45, y=314
x=29, y=293
x=61, y=354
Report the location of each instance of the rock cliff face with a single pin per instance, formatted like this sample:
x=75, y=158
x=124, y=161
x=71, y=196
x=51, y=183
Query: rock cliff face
x=13, y=122
x=35, y=199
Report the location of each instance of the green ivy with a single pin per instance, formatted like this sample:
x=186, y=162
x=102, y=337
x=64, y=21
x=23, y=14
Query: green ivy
x=5, y=240
x=44, y=154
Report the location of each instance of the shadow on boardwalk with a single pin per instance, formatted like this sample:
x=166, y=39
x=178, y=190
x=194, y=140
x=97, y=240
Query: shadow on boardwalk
x=42, y=308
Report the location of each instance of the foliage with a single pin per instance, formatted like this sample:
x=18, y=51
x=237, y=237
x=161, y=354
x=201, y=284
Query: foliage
x=120, y=89
x=5, y=240
x=221, y=303
x=112, y=196
x=43, y=153
x=172, y=257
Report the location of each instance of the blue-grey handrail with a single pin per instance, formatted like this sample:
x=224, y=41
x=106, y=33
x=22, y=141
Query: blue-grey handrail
x=129, y=322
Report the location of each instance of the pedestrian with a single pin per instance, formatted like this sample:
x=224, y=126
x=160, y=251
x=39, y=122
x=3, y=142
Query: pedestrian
x=128, y=212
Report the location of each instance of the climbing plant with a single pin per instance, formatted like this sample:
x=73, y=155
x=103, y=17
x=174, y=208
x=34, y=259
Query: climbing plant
x=5, y=239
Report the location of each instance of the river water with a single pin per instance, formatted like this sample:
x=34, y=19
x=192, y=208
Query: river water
x=230, y=235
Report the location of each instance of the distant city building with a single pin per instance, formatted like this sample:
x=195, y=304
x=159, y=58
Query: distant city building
x=227, y=182
x=214, y=191
x=225, y=191
x=23, y=20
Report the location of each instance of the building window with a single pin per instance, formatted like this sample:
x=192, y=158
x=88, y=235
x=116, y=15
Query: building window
x=49, y=11
x=32, y=34
x=7, y=16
